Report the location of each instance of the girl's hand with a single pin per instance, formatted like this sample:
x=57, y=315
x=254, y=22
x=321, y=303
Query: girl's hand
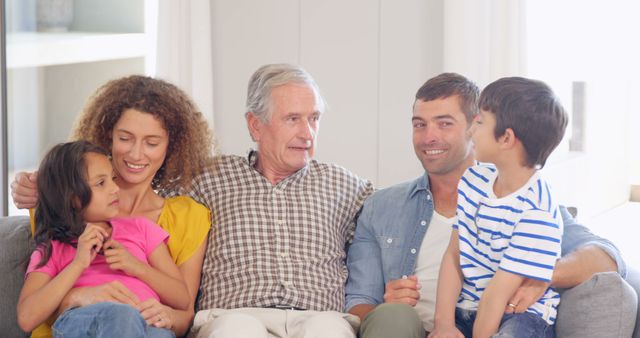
x=89, y=244
x=119, y=258
x=156, y=314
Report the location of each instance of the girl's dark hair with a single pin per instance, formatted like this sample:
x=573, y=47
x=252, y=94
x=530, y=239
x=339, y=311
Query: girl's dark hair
x=63, y=194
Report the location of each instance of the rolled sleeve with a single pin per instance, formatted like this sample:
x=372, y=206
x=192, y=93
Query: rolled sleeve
x=365, y=284
x=577, y=235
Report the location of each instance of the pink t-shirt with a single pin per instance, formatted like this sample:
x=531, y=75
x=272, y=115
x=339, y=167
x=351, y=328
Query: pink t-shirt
x=139, y=235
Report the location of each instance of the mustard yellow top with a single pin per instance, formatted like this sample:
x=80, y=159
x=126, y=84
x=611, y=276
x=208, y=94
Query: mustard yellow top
x=187, y=223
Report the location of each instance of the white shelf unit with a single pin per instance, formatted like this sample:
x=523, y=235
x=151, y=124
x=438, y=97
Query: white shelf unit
x=34, y=49
x=51, y=75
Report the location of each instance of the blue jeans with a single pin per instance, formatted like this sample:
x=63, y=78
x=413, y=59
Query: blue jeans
x=518, y=325
x=106, y=319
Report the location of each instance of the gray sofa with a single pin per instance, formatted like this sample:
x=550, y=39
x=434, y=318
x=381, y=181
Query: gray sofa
x=605, y=306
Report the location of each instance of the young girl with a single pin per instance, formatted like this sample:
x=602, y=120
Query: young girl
x=79, y=243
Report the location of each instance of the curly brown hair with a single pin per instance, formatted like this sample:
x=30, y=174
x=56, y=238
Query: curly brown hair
x=191, y=145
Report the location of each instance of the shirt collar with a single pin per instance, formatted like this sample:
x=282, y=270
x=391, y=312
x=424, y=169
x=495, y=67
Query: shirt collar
x=420, y=184
x=252, y=158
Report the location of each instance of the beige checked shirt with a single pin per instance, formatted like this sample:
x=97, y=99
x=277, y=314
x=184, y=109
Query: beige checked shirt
x=280, y=244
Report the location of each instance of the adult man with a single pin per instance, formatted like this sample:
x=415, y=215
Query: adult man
x=280, y=222
x=403, y=230
x=275, y=259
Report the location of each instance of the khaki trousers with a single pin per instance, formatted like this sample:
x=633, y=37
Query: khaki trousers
x=268, y=323
x=392, y=320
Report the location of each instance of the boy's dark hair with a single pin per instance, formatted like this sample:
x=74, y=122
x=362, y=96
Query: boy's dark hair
x=531, y=110
x=450, y=84
x=63, y=194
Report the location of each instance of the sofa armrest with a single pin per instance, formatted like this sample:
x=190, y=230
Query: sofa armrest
x=16, y=244
x=633, y=278
x=604, y=306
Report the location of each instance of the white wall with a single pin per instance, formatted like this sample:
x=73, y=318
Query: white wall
x=368, y=57
x=597, y=178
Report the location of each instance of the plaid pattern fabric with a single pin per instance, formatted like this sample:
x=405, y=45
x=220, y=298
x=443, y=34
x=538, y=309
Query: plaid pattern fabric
x=277, y=245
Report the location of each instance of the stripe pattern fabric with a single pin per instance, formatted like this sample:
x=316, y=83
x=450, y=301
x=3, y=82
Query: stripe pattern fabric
x=519, y=233
x=277, y=245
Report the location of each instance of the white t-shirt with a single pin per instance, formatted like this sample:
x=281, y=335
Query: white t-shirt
x=433, y=246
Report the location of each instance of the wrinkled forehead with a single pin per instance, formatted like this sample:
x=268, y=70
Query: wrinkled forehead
x=295, y=97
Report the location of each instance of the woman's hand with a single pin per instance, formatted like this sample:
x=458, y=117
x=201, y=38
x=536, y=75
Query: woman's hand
x=119, y=258
x=156, y=314
x=526, y=295
x=90, y=243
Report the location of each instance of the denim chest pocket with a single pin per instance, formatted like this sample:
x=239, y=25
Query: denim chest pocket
x=387, y=242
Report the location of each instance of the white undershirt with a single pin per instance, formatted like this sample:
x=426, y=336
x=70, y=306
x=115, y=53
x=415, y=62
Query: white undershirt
x=433, y=246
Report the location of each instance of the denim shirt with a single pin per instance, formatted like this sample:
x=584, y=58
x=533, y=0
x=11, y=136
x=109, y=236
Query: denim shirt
x=386, y=244
x=389, y=234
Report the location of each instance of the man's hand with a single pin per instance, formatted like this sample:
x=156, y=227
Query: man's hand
x=528, y=293
x=403, y=291
x=109, y=292
x=24, y=191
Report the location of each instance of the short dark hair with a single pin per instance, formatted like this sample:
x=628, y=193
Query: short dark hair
x=531, y=110
x=63, y=194
x=450, y=84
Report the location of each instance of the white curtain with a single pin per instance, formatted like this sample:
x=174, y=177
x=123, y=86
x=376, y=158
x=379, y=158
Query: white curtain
x=484, y=39
x=184, y=54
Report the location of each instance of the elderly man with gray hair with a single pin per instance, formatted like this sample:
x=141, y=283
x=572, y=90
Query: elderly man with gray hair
x=275, y=262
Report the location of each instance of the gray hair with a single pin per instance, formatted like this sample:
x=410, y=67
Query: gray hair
x=268, y=77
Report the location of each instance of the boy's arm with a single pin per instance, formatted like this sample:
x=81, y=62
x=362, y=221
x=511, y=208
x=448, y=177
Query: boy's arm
x=449, y=287
x=583, y=255
x=494, y=301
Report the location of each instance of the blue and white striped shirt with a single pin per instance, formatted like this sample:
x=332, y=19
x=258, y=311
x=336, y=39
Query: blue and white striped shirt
x=519, y=233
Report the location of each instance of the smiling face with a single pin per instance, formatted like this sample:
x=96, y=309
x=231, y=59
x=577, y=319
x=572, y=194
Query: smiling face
x=441, y=136
x=287, y=141
x=104, y=191
x=139, y=147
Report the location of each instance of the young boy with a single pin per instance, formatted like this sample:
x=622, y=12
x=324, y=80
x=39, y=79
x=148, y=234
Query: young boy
x=507, y=227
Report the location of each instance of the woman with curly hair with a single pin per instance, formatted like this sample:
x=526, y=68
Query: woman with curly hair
x=158, y=141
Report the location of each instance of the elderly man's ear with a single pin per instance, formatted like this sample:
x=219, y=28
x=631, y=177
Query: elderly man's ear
x=255, y=126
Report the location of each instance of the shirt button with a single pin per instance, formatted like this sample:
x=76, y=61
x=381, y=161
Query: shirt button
x=423, y=223
x=389, y=240
x=413, y=251
x=405, y=276
x=284, y=255
x=428, y=197
x=280, y=222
